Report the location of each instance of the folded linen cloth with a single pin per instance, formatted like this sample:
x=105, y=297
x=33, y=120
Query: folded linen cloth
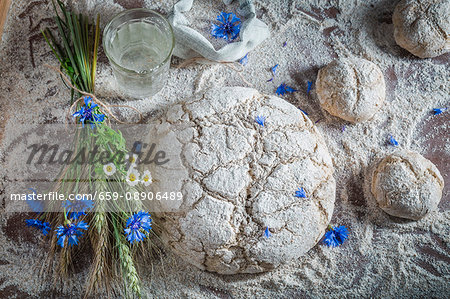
x=190, y=43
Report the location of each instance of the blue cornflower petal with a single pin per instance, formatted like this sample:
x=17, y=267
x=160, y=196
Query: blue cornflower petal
x=308, y=89
x=283, y=88
x=303, y=111
x=235, y=20
x=437, y=111
x=260, y=120
x=89, y=113
x=392, y=141
x=217, y=31
x=72, y=231
x=300, y=193
x=274, y=69
x=336, y=236
x=77, y=208
x=290, y=89
x=44, y=227
x=267, y=233
x=271, y=79
x=137, y=226
x=35, y=205
x=228, y=28
x=284, y=44
x=32, y=222
x=244, y=60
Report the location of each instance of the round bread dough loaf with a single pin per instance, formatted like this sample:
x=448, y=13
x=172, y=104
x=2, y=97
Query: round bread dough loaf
x=238, y=180
x=351, y=88
x=407, y=185
x=423, y=26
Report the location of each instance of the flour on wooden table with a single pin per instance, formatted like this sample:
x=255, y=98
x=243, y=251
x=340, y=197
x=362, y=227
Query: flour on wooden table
x=384, y=256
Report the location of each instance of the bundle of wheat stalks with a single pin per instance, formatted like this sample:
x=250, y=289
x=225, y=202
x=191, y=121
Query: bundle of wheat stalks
x=115, y=230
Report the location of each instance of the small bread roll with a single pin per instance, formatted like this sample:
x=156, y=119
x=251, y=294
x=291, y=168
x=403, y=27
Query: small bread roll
x=407, y=185
x=423, y=26
x=352, y=89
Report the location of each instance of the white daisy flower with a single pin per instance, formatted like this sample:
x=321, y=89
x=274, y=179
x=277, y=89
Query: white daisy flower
x=147, y=178
x=109, y=169
x=132, y=159
x=133, y=177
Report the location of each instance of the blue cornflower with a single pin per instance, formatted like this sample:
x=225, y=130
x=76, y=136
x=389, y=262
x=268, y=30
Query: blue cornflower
x=89, y=113
x=78, y=207
x=308, y=89
x=42, y=226
x=336, y=236
x=229, y=27
x=72, y=231
x=274, y=69
x=267, y=233
x=283, y=88
x=437, y=111
x=392, y=141
x=300, y=193
x=244, y=60
x=137, y=226
x=260, y=120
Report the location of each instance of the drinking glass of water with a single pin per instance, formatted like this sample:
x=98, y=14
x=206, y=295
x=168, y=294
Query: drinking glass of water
x=139, y=43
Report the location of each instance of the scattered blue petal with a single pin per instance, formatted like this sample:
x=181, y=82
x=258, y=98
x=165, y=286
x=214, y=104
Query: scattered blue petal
x=44, y=227
x=260, y=120
x=303, y=111
x=283, y=88
x=77, y=208
x=228, y=28
x=343, y=128
x=308, y=89
x=300, y=193
x=392, y=141
x=317, y=121
x=267, y=233
x=89, y=113
x=138, y=226
x=438, y=111
x=274, y=69
x=244, y=60
x=284, y=44
x=271, y=79
x=35, y=205
x=71, y=231
x=336, y=236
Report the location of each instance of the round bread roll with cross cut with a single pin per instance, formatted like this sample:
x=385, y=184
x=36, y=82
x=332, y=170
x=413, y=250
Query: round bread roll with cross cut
x=423, y=26
x=351, y=88
x=240, y=212
x=407, y=185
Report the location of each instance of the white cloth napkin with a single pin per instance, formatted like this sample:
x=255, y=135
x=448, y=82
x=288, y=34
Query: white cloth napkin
x=190, y=43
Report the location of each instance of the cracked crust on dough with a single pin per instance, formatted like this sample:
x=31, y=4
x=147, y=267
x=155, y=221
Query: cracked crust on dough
x=351, y=88
x=423, y=27
x=237, y=178
x=407, y=185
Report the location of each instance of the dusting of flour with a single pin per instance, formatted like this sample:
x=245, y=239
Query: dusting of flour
x=384, y=256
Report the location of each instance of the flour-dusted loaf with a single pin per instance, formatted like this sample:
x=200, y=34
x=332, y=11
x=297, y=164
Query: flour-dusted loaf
x=407, y=185
x=239, y=178
x=351, y=88
x=423, y=26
